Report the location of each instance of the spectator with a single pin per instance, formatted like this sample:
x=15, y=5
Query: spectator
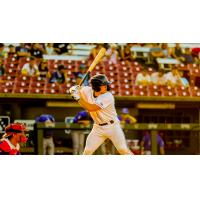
x=43, y=69
x=2, y=67
x=50, y=49
x=177, y=52
x=187, y=57
x=195, y=53
x=10, y=141
x=22, y=51
x=171, y=78
x=166, y=50
x=143, y=78
x=58, y=76
x=126, y=53
x=30, y=69
x=2, y=51
x=146, y=144
x=78, y=136
x=48, y=143
x=61, y=48
x=182, y=81
x=11, y=51
x=112, y=54
x=82, y=72
x=157, y=78
x=155, y=52
x=95, y=50
x=37, y=50
x=126, y=118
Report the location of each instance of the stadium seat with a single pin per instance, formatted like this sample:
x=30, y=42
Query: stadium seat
x=154, y=90
x=20, y=90
x=36, y=90
x=168, y=91
x=23, y=78
x=195, y=91
x=11, y=72
x=7, y=77
x=64, y=88
x=140, y=90
x=51, y=91
x=111, y=68
x=5, y=90
x=125, y=74
x=182, y=91
x=110, y=74
x=51, y=86
x=126, y=92
x=22, y=84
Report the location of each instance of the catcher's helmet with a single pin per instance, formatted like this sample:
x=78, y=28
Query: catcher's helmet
x=99, y=80
x=14, y=128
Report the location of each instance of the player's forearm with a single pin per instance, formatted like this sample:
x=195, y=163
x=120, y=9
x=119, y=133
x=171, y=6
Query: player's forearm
x=88, y=106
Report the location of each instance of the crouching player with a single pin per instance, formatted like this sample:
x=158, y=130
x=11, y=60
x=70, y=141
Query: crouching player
x=10, y=141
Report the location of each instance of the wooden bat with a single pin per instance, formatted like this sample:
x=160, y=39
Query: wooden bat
x=94, y=63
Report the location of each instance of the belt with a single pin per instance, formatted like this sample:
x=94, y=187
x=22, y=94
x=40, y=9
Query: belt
x=104, y=124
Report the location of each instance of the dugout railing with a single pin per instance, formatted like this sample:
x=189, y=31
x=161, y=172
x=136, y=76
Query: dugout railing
x=152, y=127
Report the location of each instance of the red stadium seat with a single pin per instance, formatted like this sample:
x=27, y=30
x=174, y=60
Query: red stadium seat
x=5, y=90
x=154, y=90
x=140, y=90
x=36, y=90
x=182, y=91
x=64, y=88
x=115, y=93
x=51, y=91
x=20, y=90
x=195, y=91
x=126, y=92
x=168, y=91
x=7, y=77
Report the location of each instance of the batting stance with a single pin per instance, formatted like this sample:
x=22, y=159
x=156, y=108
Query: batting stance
x=101, y=106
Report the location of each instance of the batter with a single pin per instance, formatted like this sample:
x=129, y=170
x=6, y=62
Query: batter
x=101, y=105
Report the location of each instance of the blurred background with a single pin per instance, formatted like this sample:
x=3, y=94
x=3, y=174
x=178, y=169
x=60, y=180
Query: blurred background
x=156, y=88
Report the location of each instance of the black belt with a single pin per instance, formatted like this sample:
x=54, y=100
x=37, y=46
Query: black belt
x=104, y=124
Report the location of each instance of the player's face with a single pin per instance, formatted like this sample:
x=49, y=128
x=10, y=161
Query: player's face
x=103, y=88
x=21, y=137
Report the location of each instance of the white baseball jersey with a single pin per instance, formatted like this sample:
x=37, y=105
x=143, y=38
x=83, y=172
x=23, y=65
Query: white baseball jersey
x=105, y=101
x=104, y=116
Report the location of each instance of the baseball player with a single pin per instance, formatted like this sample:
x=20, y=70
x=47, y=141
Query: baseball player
x=99, y=102
x=48, y=144
x=14, y=134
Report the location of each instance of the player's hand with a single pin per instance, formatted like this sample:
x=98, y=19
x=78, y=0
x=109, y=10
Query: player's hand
x=74, y=91
x=74, y=88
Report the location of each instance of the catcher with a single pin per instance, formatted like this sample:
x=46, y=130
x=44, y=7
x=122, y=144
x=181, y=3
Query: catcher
x=99, y=102
x=14, y=134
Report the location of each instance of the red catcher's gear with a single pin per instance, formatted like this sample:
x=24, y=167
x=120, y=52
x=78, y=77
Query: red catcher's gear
x=7, y=149
x=14, y=128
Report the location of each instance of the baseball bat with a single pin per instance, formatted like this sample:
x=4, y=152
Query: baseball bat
x=94, y=63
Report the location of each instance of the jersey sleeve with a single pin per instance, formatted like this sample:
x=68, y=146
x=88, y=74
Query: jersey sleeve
x=104, y=101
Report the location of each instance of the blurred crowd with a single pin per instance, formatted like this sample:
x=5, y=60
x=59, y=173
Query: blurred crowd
x=36, y=65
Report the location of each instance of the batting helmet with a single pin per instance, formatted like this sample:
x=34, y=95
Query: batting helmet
x=99, y=80
x=14, y=128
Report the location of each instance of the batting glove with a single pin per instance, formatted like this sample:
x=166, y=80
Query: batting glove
x=74, y=91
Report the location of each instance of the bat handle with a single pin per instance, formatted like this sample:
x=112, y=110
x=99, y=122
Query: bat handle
x=82, y=81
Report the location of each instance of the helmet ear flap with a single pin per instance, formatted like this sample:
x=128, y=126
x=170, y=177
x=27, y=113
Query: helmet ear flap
x=96, y=88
